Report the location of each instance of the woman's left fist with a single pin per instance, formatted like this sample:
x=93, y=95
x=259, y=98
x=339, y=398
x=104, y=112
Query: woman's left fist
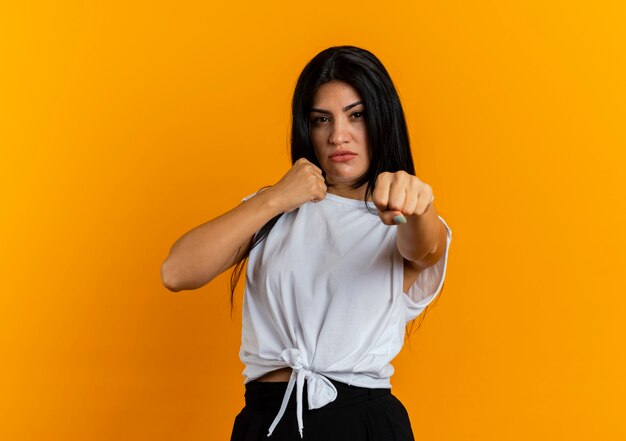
x=400, y=194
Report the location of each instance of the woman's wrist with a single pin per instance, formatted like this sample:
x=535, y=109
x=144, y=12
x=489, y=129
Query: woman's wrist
x=271, y=200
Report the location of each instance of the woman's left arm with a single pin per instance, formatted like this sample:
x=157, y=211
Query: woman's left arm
x=422, y=239
x=422, y=236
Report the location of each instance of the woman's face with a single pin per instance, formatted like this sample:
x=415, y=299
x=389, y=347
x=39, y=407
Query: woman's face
x=336, y=125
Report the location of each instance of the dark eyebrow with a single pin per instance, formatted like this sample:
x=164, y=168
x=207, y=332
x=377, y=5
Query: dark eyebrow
x=345, y=109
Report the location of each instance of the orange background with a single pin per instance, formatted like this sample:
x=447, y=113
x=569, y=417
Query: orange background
x=124, y=126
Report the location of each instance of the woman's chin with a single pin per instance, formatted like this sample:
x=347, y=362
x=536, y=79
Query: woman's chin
x=343, y=182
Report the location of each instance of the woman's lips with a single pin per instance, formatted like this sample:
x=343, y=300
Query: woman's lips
x=342, y=158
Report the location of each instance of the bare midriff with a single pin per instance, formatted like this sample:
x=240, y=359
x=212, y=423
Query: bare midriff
x=282, y=374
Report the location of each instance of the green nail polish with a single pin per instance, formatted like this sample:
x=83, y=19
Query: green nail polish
x=399, y=219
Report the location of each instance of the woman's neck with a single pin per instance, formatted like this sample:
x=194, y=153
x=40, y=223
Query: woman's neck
x=347, y=191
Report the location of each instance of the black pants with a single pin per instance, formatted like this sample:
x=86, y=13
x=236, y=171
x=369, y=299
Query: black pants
x=357, y=414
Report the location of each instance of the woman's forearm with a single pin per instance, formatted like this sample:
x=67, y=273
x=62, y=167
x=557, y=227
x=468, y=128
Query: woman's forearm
x=211, y=248
x=421, y=235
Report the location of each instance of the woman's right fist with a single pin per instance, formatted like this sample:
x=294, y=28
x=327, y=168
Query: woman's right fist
x=302, y=183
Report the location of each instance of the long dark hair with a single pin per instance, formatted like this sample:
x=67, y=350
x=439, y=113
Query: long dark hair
x=387, y=135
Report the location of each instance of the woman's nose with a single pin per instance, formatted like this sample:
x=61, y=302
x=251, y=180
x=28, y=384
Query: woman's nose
x=340, y=133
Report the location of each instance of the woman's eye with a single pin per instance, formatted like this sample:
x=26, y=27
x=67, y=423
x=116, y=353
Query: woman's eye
x=321, y=119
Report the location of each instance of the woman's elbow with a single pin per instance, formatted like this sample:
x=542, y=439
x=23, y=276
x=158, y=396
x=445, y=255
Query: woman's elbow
x=168, y=277
x=173, y=281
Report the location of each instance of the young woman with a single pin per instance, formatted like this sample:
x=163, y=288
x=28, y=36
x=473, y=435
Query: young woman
x=343, y=251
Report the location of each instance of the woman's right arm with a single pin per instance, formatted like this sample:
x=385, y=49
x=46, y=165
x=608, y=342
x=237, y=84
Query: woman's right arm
x=211, y=248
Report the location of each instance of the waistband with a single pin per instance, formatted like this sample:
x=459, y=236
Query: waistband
x=320, y=390
x=268, y=395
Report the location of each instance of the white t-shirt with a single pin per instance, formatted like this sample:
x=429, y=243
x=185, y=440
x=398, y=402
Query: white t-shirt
x=324, y=296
